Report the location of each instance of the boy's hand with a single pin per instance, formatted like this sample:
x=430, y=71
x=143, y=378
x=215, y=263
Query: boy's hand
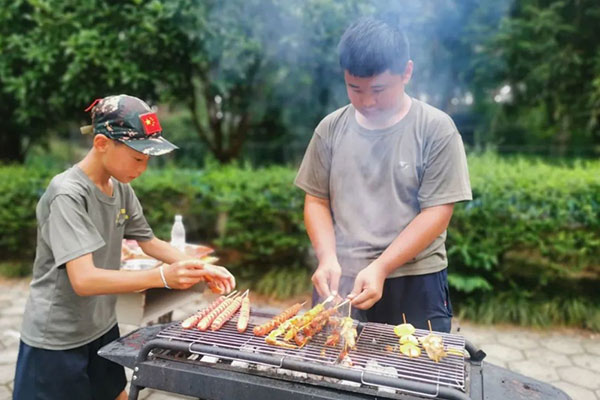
x=184, y=274
x=368, y=287
x=327, y=278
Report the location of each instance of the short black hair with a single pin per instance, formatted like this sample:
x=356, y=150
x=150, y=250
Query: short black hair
x=370, y=46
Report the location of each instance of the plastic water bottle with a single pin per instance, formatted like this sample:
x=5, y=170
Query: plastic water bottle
x=178, y=234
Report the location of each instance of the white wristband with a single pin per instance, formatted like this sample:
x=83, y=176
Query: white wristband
x=162, y=276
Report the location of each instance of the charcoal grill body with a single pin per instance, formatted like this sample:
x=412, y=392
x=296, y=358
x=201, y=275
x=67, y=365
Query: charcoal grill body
x=140, y=351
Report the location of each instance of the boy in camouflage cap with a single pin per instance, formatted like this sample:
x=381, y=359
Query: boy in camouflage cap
x=129, y=120
x=83, y=217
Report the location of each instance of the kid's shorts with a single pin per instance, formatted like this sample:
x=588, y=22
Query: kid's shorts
x=78, y=373
x=419, y=297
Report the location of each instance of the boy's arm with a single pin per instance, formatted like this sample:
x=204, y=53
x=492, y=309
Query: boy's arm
x=420, y=233
x=319, y=226
x=162, y=251
x=87, y=280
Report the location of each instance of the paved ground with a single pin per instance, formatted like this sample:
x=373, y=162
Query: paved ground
x=568, y=359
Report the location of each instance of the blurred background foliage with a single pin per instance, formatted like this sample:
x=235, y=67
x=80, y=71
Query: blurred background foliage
x=240, y=86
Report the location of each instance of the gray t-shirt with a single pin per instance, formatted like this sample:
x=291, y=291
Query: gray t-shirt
x=76, y=218
x=377, y=181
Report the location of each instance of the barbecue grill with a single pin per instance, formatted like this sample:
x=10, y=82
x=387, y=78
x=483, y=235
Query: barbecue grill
x=225, y=364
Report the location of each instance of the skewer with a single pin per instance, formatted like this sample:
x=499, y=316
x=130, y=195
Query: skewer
x=403, y=318
x=327, y=300
x=429, y=323
x=341, y=304
x=228, y=296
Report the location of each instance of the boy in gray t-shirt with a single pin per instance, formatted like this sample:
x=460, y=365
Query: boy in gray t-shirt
x=83, y=217
x=381, y=176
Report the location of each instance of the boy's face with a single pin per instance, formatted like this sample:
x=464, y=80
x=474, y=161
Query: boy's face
x=378, y=97
x=124, y=163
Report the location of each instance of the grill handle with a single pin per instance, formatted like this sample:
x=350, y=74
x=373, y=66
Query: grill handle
x=477, y=355
x=432, y=395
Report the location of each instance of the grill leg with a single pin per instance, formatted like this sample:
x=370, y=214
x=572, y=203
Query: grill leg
x=134, y=391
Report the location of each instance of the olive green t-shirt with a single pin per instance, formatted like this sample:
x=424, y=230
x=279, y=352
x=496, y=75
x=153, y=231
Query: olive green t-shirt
x=377, y=181
x=76, y=218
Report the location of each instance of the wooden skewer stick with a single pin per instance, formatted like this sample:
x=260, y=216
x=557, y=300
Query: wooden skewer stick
x=327, y=300
x=342, y=304
x=231, y=294
x=429, y=323
x=403, y=318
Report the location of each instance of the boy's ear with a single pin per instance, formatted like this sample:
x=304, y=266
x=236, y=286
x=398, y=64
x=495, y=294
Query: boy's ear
x=101, y=143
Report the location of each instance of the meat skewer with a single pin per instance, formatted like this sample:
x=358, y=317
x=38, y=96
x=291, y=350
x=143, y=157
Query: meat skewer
x=192, y=321
x=226, y=315
x=264, y=329
x=242, y=323
x=300, y=322
x=291, y=326
x=334, y=338
x=272, y=337
x=207, y=320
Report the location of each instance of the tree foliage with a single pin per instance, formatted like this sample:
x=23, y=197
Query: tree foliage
x=266, y=71
x=547, y=52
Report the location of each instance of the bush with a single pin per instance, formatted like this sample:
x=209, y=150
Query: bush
x=20, y=190
x=525, y=250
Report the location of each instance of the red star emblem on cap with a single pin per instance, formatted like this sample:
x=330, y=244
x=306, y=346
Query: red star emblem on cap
x=150, y=123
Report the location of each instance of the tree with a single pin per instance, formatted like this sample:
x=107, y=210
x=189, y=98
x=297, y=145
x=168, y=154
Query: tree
x=57, y=56
x=547, y=53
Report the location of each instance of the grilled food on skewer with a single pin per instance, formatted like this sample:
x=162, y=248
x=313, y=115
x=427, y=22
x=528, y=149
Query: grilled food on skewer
x=308, y=331
x=404, y=329
x=348, y=334
x=306, y=334
x=226, y=315
x=262, y=330
x=192, y=322
x=434, y=346
x=291, y=327
x=244, y=315
x=207, y=320
x=411, y=350
x=272, y=337
x=409, y=339
x=299, y=322
x=334, y=337
x=308, y=316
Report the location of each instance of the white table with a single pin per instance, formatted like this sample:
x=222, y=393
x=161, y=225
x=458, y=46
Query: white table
x=154, y=305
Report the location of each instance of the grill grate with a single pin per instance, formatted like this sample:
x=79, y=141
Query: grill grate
x=376, y=352
x=229, y=337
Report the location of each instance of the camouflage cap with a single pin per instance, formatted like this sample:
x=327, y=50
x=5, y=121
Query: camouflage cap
x=131, y=121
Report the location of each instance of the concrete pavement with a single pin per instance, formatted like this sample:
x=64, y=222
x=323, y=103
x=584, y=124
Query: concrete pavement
x=567, y=358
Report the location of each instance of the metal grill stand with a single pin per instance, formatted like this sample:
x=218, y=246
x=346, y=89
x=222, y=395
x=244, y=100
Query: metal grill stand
x=373, y=358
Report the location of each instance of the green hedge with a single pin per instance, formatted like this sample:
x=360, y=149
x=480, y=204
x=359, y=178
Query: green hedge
x=531, y=236
x=525, y=250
